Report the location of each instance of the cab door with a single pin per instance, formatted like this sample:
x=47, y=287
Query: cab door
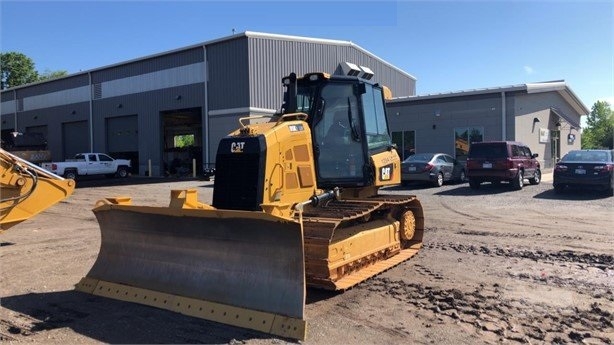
x=338, y=144
x=92, y=165
x=106, y=164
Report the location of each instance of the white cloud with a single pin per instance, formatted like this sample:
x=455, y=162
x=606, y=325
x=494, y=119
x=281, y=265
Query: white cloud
x=529, y=70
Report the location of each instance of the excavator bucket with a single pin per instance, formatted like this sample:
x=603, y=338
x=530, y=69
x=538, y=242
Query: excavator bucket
x=234, y=267
x=27, y=189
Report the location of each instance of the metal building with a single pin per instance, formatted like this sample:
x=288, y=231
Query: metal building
x=137, y=109
x=545, y=116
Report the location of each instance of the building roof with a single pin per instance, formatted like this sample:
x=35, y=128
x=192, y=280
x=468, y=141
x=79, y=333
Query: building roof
x=547, y=86
x=251, y=34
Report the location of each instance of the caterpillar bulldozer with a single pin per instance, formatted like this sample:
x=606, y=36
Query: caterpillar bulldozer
x=295, y=204
x=27, y=189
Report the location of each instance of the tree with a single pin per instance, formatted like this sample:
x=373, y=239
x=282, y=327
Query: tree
x=184, y=140
x=48, y=75
x=599, y=132
x=16, y=69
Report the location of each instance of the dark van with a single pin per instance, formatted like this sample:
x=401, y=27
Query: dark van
x=496, y=161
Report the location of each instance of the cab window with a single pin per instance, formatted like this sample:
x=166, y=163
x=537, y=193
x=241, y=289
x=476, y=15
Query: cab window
x=337, y=133
x=527, y=152
x=376, y=125
x=105, y=158
x=516, y=151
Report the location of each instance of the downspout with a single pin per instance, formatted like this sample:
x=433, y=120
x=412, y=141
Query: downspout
x=89, y=75
x=503, y=117
x=15, y=112
x=206, y=106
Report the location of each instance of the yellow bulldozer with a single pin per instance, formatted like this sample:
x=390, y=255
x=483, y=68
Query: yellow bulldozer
x=295, y=204
x=27, y=189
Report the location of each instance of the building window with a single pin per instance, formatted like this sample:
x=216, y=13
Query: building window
x=406, y=143
x=463, y=137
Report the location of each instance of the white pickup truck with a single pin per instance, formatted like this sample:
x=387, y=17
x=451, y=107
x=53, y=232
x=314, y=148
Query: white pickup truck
x=89, y=164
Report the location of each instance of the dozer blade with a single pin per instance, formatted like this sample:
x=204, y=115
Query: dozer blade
x=234, y=267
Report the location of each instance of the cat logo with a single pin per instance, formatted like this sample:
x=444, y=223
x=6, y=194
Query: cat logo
x=386, y=173
x=237, y=147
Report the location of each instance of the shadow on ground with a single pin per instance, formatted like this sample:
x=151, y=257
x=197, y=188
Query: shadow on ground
x=462, y=189
x=573, y=194
x=117, y=322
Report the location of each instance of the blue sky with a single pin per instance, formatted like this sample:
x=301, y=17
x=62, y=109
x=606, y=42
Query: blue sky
x=447, y=46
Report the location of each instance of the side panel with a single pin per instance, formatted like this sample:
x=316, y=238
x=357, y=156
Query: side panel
x=387, y=168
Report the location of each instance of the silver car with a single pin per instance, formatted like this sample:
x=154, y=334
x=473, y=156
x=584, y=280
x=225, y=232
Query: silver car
x=435, y=168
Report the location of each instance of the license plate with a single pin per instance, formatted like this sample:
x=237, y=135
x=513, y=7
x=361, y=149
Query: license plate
x=411, y=169
x=487, y=165
x=581, y=171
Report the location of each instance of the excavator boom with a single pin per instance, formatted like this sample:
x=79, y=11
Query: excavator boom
x=26, y=189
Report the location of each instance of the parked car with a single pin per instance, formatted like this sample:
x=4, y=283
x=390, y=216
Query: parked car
x=435, y=168
x=586, y=169
x=497, y=161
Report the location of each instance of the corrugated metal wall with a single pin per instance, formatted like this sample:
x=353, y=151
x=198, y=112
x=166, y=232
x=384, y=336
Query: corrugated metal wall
x=153, y=64
x=270, y=59
x=7, y=96
x=53, y=86
x=53, y=93
x=228, y=72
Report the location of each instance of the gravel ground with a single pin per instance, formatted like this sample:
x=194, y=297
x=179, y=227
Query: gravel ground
x=498, y=266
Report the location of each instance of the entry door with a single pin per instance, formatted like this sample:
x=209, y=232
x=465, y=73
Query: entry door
x=555, y=145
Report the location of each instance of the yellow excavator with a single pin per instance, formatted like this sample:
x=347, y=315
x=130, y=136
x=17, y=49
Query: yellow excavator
x=27, y=189
x=295, y=204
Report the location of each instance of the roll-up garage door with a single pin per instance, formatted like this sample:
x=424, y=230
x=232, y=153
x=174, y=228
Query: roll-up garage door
x=75, y=138
x=123, y=139
x=122, y=134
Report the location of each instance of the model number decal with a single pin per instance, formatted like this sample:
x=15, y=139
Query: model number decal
x=237, y=146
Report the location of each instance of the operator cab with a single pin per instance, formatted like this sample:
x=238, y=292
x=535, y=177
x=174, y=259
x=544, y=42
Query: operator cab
x=348, y=123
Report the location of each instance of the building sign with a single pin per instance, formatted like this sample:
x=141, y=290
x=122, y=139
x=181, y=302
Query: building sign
x=544, y=135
